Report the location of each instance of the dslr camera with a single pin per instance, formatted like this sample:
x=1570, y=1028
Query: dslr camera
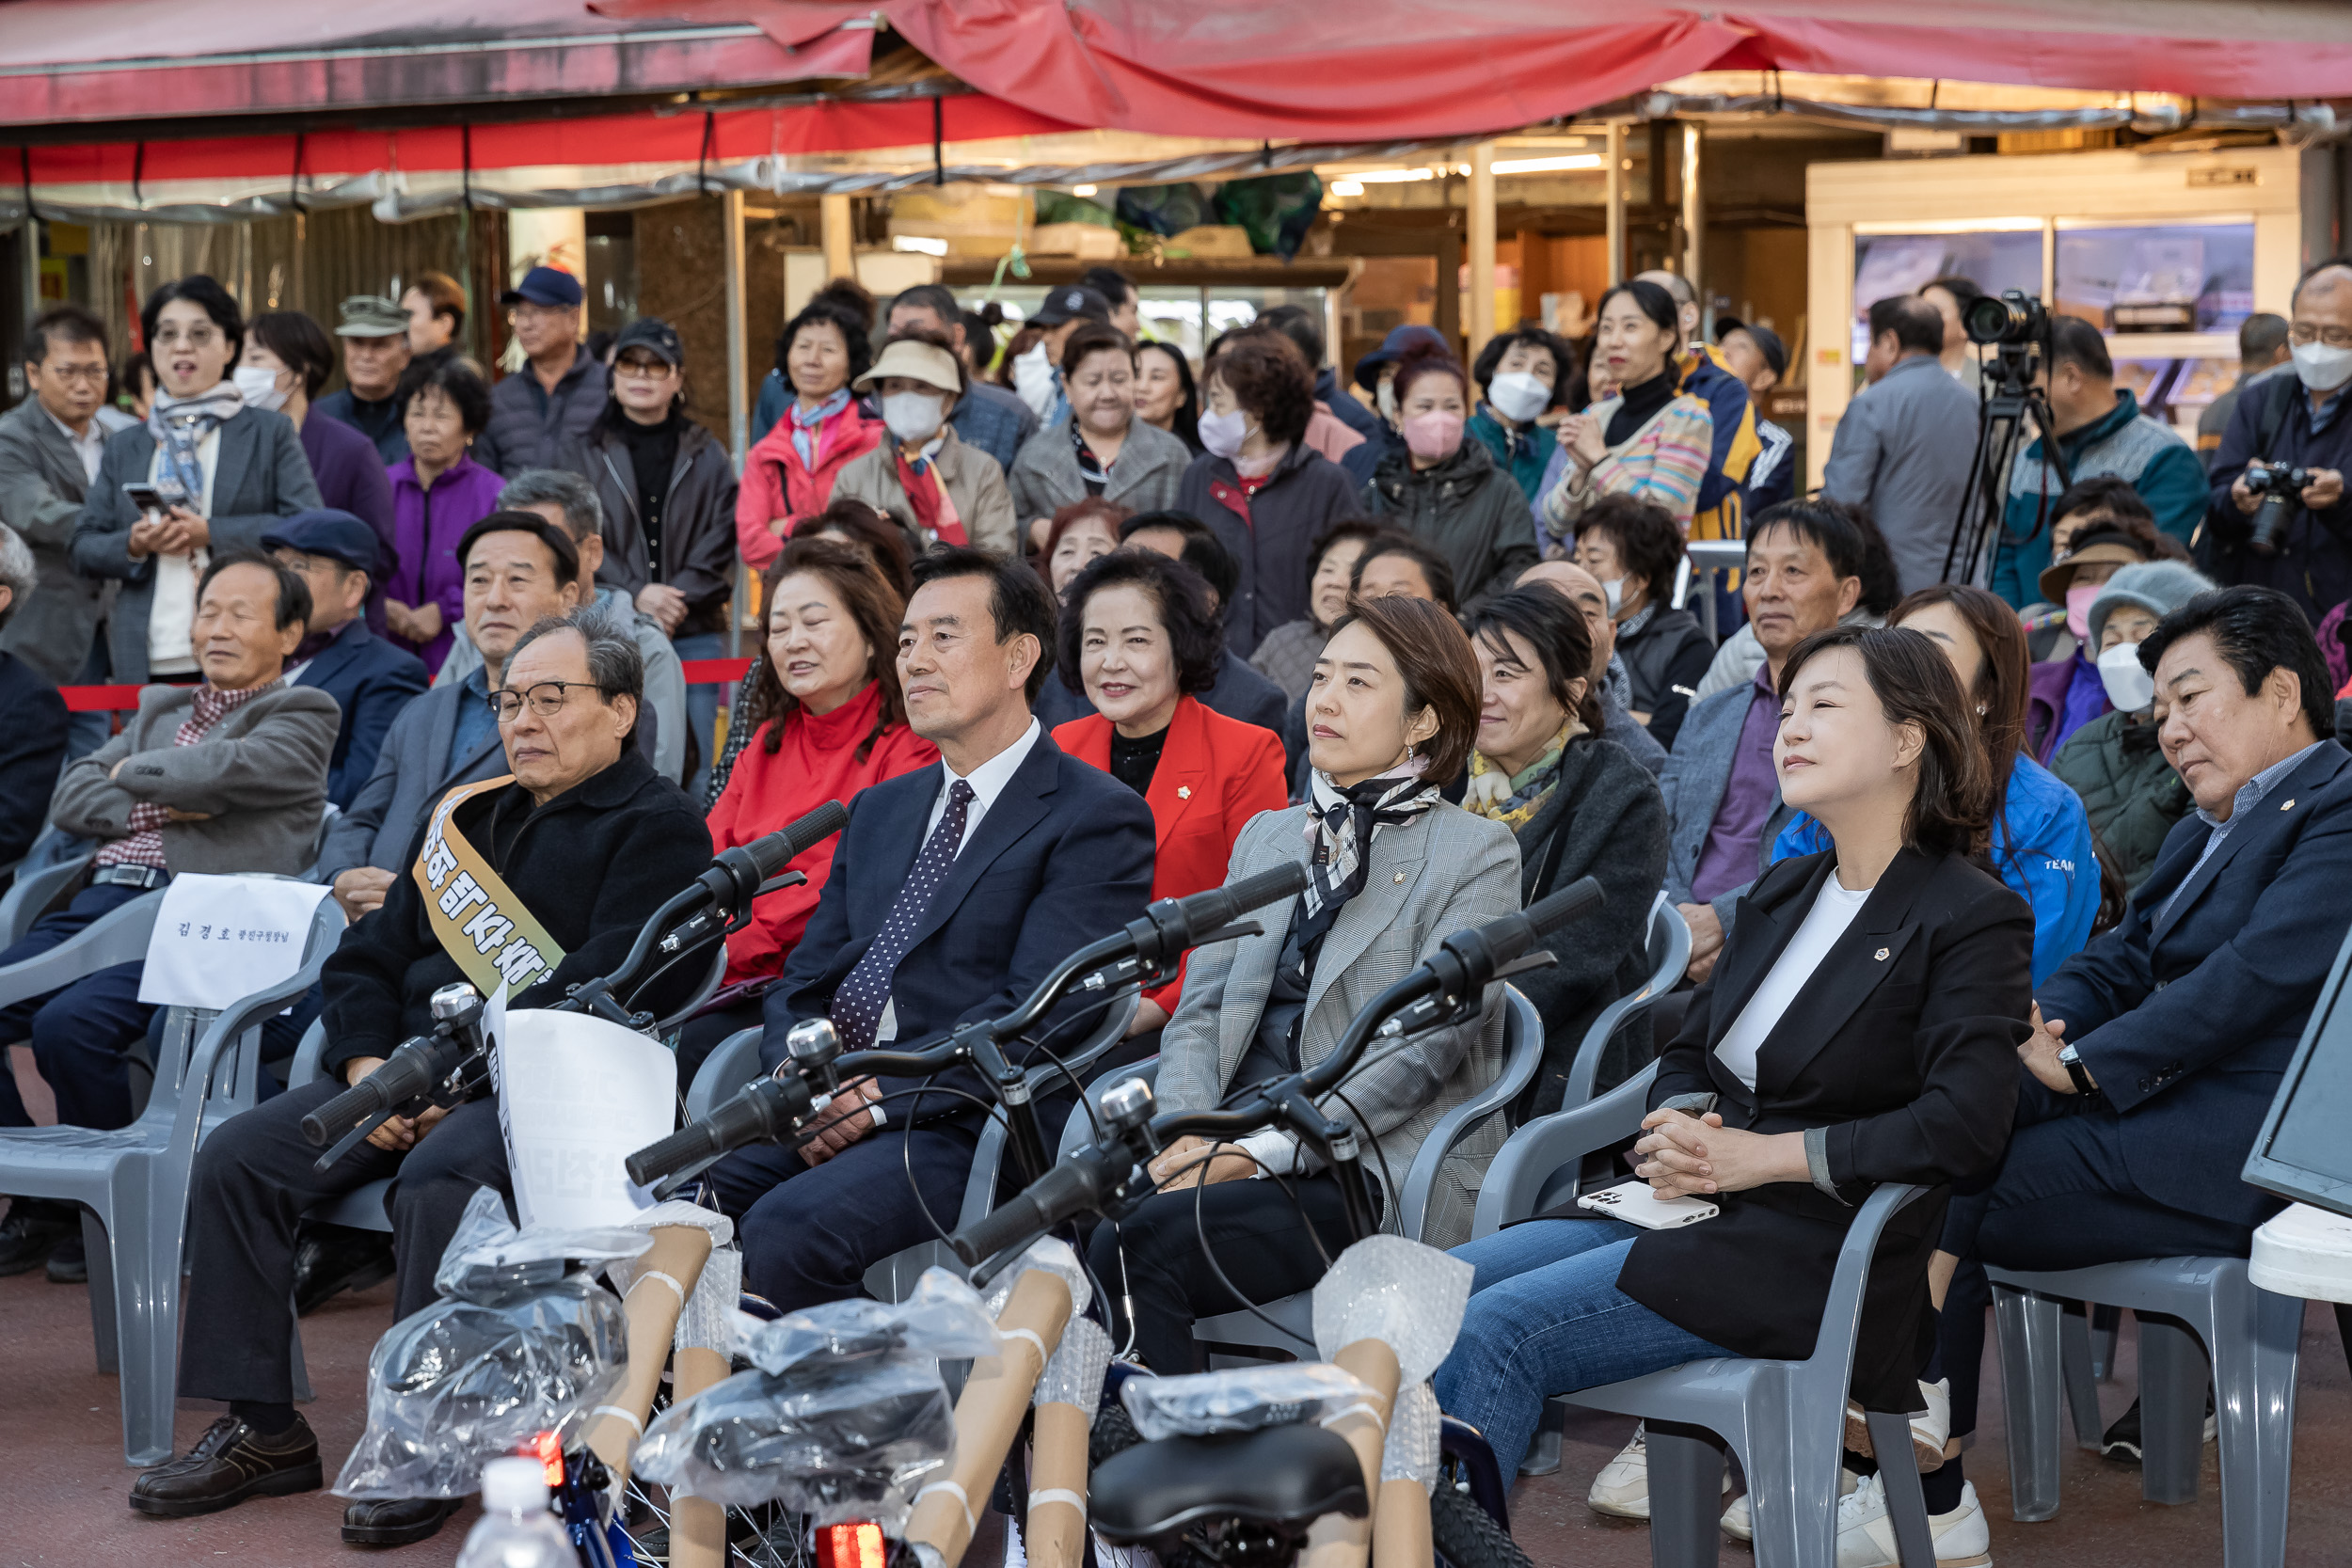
x=2013, y=317
x=2281, y=491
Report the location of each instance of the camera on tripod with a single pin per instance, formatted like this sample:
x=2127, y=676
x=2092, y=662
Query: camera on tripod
x=2281, y=488
x=2013, y=317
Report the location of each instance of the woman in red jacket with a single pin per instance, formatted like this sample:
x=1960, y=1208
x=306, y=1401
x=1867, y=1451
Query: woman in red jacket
x=789, y=475
x=1138, y=638
x=828, y=719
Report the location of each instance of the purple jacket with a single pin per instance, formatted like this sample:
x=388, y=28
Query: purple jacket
x=352, y=479
x=425, y=531
x=2048, y=683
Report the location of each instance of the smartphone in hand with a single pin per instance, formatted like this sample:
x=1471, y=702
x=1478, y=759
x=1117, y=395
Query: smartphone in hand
x=145, y=495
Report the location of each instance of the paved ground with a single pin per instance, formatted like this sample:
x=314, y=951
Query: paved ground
x=62, y=1480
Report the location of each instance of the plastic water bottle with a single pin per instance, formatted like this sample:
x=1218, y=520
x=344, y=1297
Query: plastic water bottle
x=516, y=1530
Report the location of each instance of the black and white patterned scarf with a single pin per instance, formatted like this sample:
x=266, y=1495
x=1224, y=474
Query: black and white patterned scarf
x=1091, y=470
x=180, y=426
x=1341, y=825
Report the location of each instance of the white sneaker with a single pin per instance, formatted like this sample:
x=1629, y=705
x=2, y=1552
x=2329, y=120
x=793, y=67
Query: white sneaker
x=1740, y=1526
x=1866, y=1535
x=1622, y=1488
x=1930, y=1431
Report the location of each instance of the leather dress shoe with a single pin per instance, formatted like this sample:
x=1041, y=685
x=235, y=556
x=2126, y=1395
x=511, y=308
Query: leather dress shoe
x=333, y=1259
x=69, y=1263
x=395, y=1521
x=32, y=1231
x=231, y=1462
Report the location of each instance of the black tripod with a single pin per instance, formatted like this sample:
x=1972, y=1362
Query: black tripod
x=2001, y=434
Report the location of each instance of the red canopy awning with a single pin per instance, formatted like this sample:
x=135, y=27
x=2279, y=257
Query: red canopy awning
x=1372, y=70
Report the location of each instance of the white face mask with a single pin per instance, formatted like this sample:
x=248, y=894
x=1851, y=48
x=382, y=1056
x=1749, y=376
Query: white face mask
x=259, y=387
x=1223, y=434
x=1614, y=589
x=911, y=417
x=1384, y=396
x=1033, y=378
x=1518, y=396
x=2321, y=368
x=2129, y=687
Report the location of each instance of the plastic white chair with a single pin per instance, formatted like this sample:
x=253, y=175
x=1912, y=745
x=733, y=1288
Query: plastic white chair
x=1523, y=1052
x=133, y=1182
x=1785, y=1420
x=2253, y=1338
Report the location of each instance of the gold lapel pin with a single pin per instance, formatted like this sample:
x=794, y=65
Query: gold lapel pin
x=1882, y=955
x=1183, y=791
x=1399, y=875
x=2289, y=806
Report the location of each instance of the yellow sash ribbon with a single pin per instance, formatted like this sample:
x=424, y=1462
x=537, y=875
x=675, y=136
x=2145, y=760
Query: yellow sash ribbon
x=476, y=915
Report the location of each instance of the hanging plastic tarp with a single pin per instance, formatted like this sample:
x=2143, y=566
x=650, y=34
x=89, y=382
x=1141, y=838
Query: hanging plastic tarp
x=1276, y=210
x=1170, y=209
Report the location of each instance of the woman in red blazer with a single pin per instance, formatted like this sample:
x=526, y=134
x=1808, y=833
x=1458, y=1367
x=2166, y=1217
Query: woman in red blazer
x=1138, y=638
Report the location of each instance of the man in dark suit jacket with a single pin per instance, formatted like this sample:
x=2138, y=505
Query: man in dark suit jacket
x=32, y=718
x=50, y=447
x=335, y=553
x=952, y=894
x=2159, y=1047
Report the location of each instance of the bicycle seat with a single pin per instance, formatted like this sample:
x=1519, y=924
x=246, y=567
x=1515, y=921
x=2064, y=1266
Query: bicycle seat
x=1286, y=1475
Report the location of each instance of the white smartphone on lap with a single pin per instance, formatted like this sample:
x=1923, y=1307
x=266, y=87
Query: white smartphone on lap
x=1639, y=1203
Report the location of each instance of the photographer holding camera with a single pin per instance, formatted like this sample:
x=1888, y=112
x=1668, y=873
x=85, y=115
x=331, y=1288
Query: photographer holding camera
x=2278, y=517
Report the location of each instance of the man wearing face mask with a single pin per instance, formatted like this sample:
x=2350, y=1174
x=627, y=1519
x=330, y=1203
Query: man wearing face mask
x=954, y=492
x=2293, y=421
x=1036, y=373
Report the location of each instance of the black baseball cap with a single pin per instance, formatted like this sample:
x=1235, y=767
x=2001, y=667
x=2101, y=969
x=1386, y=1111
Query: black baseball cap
x=1072, y=302
x=1767, y=342
x=656, y=337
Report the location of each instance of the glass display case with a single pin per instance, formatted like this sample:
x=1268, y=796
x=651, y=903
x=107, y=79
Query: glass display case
x=2156, y=277
x=1886, y=264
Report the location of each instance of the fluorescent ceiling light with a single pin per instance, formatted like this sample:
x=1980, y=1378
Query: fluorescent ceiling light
x=1348, y=187
x=1393, y=175
x=1082, y=190
x=920, y=243
x=1545, y=166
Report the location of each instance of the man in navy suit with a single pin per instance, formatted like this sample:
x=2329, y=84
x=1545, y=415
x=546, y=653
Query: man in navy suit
x=2158, y=1048
x=335, y=554
x=954, y=890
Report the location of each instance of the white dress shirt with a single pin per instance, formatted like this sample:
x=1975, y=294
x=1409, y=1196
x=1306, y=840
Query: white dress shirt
x=90, y=447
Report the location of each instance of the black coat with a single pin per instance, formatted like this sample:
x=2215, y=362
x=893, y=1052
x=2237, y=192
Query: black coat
x=697, y=520
x=32, y=748
x=1469, y=508
x=1605, y=819
x=1664, y=661
x=592, y=865
x=1306, y=495
x=1903, y=1045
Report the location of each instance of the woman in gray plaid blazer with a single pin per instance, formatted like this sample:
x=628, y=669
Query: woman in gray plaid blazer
x=1393, y=714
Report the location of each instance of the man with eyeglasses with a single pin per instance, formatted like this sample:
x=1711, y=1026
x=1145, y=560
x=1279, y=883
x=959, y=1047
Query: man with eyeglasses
x=569, y=852
x=561, y=389
x=49, y=449
x=2286, y=423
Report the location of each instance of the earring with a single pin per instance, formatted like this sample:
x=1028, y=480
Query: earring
x=1979, y=710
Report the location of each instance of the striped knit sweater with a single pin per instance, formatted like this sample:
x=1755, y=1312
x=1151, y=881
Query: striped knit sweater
x=1662, y=462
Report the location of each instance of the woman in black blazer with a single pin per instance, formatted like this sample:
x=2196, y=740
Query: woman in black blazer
x=1862, y=1028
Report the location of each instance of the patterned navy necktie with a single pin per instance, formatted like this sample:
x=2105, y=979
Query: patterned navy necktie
x=865, y=992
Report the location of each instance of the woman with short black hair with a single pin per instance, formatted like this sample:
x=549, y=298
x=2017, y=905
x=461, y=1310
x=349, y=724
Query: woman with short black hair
x=789, y=472
x=1633, y=548
x=1522, y=377
x=1106, y=452
x=1138, y=639
x=439, y=492
x=1579, y=805
x=1394, y=870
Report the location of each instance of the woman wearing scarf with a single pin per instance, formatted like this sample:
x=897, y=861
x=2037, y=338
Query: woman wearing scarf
x=954, y=493
x=1394, y=871
x=226, y=473
x=1106, y=450
x=1648, y=440
x=1579, y=805
x=790, y=471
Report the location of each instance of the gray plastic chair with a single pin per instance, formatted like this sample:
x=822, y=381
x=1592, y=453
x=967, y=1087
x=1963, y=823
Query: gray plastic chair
x=362, y=1207
x=1523, y=1052
x=1669, y=952
x=2254, y=1335
x=133, y=1182
x=1785, y=1420
x=735, y=1063
x=33, y=892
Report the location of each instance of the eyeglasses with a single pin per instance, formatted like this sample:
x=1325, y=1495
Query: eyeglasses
x=193, y=337
x=649, y=370
x=2334, y=336
x=83, y=375
x=545, y=698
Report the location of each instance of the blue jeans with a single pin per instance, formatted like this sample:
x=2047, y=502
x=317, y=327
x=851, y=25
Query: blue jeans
x=1546, y=1317
x=702, y=707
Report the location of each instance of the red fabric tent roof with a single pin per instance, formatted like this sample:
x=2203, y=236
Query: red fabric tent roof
x=1373, y=70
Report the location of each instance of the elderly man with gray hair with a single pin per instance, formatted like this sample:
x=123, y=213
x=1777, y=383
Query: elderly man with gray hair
x=574, y=848
x=32, y=717
x=569, y=501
